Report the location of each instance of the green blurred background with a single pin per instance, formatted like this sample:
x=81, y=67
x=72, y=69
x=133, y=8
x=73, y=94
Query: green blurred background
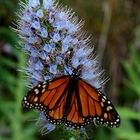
x=115, y=26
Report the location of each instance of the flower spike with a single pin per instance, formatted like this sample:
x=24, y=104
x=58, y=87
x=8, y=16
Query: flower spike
x=55, y=45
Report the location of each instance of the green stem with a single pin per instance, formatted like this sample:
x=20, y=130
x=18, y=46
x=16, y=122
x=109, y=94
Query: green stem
x=19, y=92
x=105, y=29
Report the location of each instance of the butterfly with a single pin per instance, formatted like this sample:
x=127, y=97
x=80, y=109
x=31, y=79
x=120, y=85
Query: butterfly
x=71, y=100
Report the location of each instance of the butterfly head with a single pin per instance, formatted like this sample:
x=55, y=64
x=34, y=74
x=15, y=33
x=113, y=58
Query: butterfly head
x=76, y=73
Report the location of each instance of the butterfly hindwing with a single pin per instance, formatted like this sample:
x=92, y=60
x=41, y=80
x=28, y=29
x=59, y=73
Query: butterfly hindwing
x=73, y=116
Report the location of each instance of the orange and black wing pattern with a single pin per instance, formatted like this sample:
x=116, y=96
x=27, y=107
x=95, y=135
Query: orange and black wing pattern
x=72, y=101
x=49, y=97
x=96, y=107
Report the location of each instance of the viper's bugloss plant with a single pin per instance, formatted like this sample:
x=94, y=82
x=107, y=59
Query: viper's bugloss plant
x=53, y=40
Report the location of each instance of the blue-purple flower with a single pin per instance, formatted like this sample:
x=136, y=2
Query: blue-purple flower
x=55, y=46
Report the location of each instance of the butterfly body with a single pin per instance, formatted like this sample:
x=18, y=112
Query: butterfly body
x=72, y=101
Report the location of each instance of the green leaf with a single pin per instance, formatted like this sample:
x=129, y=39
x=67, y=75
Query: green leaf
x=135, y=58
x=8, y=36
x=127, y=113
x=8, y=62
x=7, y=77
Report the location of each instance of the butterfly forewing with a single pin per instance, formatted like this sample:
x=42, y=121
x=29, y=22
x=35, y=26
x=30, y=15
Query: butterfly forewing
x=46, y=95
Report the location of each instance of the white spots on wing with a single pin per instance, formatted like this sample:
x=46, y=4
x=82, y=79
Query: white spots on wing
x=117, y=120
x=102, y=104
x=108, y=102
x=35, y=99
x=39, y=85
x=103, y=100
x=43, y=90
x=44, y=83
x=109, y=108
x=44, y=86
x=36, y=91
x=105, y=115
x=104, y=97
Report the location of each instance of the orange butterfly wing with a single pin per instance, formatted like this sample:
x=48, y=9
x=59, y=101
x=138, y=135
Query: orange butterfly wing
x=86, y=105
x=96, y=106
x=73, y=118
x=47, y=95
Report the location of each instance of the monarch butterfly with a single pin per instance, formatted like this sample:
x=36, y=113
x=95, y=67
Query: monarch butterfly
x=72, y=101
